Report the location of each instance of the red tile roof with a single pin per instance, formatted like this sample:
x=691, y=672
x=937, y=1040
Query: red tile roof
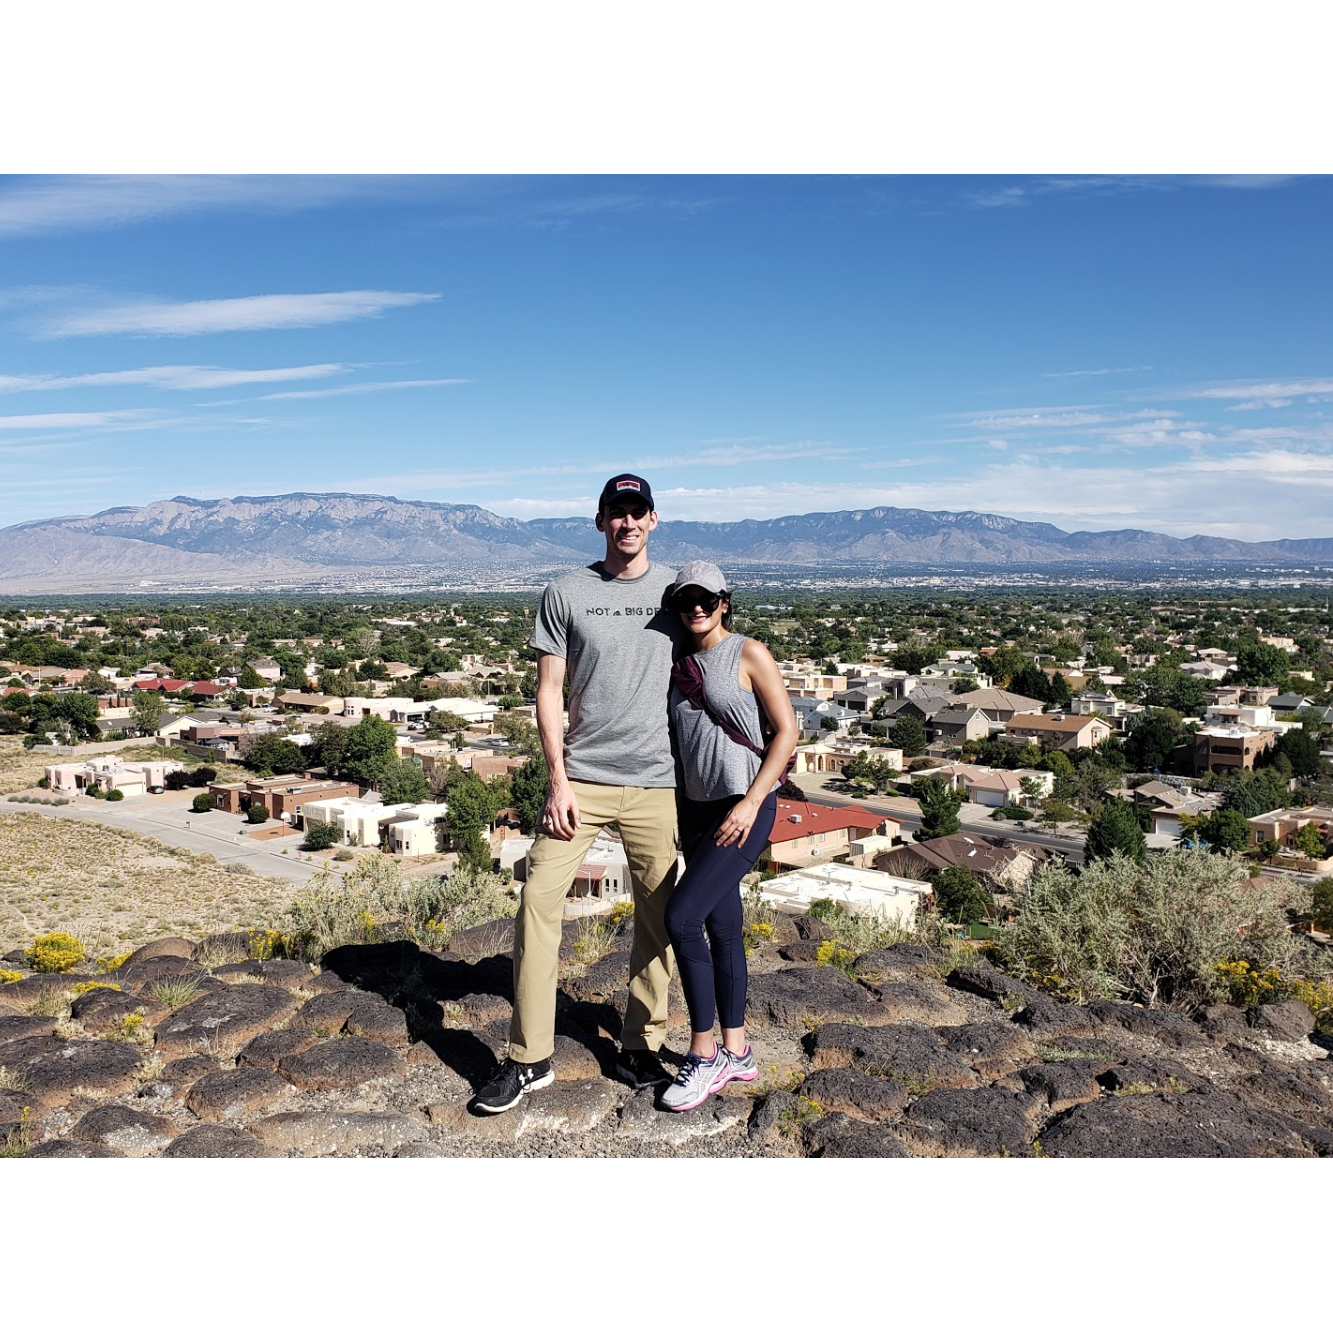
x=818, y=819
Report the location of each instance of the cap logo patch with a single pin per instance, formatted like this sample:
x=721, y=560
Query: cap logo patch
x=627, y=486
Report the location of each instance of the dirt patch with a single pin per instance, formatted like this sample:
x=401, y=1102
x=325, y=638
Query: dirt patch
x=115, y=890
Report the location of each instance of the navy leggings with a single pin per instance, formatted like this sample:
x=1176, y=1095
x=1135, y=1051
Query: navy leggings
x=708, y=895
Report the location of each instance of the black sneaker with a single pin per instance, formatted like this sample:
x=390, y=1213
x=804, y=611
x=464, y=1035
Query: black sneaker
x=512, y=1080
x=642, y=1069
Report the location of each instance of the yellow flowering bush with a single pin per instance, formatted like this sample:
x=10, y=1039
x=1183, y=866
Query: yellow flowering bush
x=56, y=952
x=111, y=964
x=83, y=987
x=7, y=976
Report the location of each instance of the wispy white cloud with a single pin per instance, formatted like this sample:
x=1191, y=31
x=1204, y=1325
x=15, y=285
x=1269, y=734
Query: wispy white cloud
x=1254, y=389
x=1005, y=196
x=377, y=387
x=1259, y=404
x=74, y=420
x=233, y=315
x=80, y=203
x=1081, y=374
x=171, y=377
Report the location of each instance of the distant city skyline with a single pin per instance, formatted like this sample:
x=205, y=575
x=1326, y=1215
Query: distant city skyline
x=1094, y=352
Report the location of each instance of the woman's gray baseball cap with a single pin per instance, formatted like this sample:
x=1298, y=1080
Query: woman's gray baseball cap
x=699, y=574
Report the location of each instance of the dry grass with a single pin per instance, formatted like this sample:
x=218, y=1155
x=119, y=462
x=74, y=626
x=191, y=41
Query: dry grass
x=113, y=889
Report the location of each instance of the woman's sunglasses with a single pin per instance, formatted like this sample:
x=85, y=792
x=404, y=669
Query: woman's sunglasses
x=682, y=602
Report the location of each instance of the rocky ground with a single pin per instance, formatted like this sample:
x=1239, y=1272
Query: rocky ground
x=378, y=1053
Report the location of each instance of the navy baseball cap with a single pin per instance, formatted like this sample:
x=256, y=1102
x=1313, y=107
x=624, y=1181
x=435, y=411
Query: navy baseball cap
x=626, y=486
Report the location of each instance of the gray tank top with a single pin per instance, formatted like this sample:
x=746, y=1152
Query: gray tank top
x=715, y=766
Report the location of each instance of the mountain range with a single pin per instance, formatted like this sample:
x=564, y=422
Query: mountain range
x=322, y=539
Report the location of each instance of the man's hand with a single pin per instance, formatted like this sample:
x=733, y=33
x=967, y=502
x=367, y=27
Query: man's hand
x=560, y=817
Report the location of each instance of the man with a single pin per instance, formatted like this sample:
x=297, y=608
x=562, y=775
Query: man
x=605, y=625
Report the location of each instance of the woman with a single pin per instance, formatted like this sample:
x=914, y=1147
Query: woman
x=730, y=774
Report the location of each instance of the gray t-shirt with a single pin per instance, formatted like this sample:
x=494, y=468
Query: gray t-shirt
x=617, y=642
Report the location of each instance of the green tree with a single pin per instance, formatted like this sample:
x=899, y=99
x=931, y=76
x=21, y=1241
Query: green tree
x=273, y=754
x=250, y=679
x=1301, y=747
x=1225, y=831
x=403, y=781
x=148, y=710
x=1115, y=828
x=939, y=808
x=959, y=896
x=1310, y=841
x=528, y=788
x=1262, y=664
x=909, y=736
x=370, y=747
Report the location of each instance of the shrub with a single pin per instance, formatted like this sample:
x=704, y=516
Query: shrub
x=1012, y=812
x=203, y=803
x=177, y=781
x=6, y=976
x=354, y=906
x=342, y=854
x=862, y=932
x=56, y=952
x=256, y=814
x=203, y=775
x=115, y=794
x=320, y=835
x=43, y=782
x=110, y=964
x=1151, y=933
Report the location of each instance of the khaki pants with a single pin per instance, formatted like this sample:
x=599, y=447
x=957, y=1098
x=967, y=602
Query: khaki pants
x=647, y=820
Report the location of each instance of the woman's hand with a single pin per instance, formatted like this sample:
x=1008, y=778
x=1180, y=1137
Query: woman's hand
x=735, y=828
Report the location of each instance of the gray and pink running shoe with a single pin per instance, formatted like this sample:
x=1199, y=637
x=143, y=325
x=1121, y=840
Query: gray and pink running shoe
x=697, y=1081
x=741, y=1067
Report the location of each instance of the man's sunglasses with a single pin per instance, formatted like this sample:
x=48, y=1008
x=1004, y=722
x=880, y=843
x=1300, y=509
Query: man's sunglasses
x=682, y=602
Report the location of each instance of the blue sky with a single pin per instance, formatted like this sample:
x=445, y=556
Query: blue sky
x=1095, y=352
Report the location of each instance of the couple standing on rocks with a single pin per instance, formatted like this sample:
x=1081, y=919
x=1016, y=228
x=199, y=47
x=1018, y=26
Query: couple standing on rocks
x=661, y=695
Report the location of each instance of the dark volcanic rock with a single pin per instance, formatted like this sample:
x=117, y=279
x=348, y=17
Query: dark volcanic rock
x=1139, y=1074
x=128, y=1132
x=992, y=1049
x=101, y=1011
x=237, y=1094
x=284, y=972
x=71, y=1148
x=901, y=962
x=1304, y=1091
x=797, y=995
x=15, y=1027
x=136, y=978
x=838, y=1135
x=218, y=1141
x=1223, y=1023
x=980, y=1122
x=1171, y=1029
x=1288, y=1020
x=1046, y=1018
x=344, y=1062
x=800, y=951
x=606, y=979
x=989, y=984
x=483, y=941
x=267, y=1049
x=855, y=1094
x=170, y=947
x=75, y=1068
x=1167, y=1125
x=914, y=1056
x=918, y=1002
x=222, y=1022
x=811, y=928
x=1064, y=1083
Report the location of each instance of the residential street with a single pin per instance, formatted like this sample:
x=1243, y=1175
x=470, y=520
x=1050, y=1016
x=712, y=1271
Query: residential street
x=829, y=789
